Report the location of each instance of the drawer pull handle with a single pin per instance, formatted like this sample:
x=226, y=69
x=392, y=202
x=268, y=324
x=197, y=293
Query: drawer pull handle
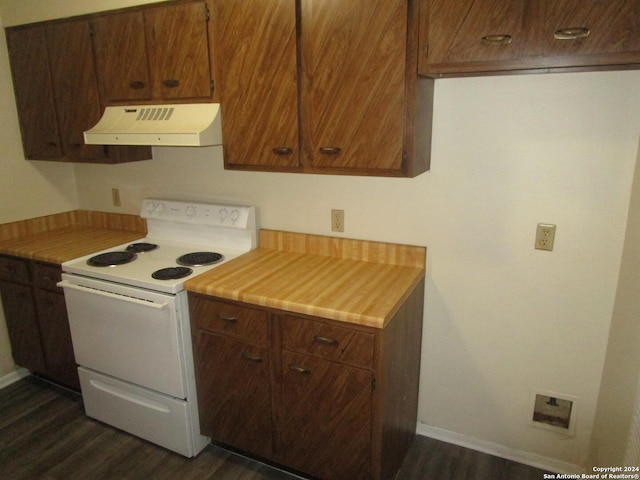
x=251, y=358
x=171, y=83
x=572, y=33
x=497, y=39
x=283, y=151
x=330, y=150
x=136, y=85
x=302, y=370
x=226, y=319
x=326, y=340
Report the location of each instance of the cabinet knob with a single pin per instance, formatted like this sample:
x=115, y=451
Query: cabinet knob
x=302, y=370
x=136, y=85
x=283, y=151
x=226, y=319
x=326, y=340
x=330, y=150
x=497, y=39
x=571, y=33
x=251, y=357
x=171, y=83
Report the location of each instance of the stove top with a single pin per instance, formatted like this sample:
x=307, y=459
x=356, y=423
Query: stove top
x=140, y=271
x=184, y=240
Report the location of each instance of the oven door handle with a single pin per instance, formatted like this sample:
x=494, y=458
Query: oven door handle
x=114, y=296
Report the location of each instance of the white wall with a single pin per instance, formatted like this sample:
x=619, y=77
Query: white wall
x=619, y=392
x=502, y=320
x=17, y=12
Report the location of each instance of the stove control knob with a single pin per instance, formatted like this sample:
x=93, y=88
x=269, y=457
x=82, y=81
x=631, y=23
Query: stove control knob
x=160, y=208
x=235, y=215
x=222, y=215
x=190, y=211
x=151, y=206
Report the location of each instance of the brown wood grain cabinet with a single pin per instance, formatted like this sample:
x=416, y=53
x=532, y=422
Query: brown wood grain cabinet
x=55, y=108
x=36, y=316
x=154, y=53
x=478, y=36
x=331, y=399
x=321, y=87
x=256, y=65
x=34, y=93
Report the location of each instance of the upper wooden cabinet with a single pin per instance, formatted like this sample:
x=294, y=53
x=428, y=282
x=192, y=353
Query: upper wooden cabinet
x=34, y=93
x=256, y=69
x=328, y=88
x=57, y=93
x=75, y=86
x=155, y=53
x=592, y=32
x=469, y=36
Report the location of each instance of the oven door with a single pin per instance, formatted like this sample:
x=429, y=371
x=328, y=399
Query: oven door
x=128, y=333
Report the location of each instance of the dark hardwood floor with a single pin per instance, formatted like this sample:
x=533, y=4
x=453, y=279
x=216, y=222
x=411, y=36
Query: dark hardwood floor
x=44, y=435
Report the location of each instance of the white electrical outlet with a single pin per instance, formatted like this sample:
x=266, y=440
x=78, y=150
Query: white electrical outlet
x=337, y=220
x=545, y=235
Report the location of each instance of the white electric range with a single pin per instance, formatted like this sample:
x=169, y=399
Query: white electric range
x=129, y=318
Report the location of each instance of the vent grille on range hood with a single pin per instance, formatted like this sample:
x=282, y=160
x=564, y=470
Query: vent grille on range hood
x=188, y=125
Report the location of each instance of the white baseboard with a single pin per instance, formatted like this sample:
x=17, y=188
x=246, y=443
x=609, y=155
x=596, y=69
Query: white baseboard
x=13, y=377
x=526, y=458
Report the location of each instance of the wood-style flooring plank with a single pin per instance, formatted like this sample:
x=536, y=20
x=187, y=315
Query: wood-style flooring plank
x=45, y=435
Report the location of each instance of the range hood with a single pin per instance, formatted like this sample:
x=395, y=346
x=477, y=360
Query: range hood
x=184, y=125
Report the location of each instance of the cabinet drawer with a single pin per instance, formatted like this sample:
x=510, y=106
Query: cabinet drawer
x=232, y=320
x=46, y=276
x=326, y=341
x=14, y=270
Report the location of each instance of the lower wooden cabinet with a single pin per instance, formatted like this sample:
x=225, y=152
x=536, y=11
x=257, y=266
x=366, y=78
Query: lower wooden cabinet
x=36, y=317
x=333, y=400
x=326, y=419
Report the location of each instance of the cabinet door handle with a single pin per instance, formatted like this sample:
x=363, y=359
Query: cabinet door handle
x=136, y=85
x=171, y=83
x=251, y=357
x=302, y=370
x=571, y=33
x=226, y=319
x=283, y=150
x=330, y=150
x=326, y=340
x=497, y=39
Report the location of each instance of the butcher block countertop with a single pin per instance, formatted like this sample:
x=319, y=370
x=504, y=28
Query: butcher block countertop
x=61, y=237
x=354, y=281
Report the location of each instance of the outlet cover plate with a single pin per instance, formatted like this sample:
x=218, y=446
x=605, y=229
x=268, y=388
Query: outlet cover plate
x=545, y=236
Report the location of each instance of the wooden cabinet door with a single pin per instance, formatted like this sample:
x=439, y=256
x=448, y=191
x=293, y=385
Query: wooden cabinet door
x=234, y=392
x=583, y=28
x=121, y=57
x=34, y=93
x=56, y=338
x=354, y=62
x=22, y=324
x=466, y=35
x=178, y=50
x=255, y=44
x=325, y=427
x=75, y=86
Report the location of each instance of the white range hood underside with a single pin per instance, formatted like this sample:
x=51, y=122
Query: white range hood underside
x=184, y=125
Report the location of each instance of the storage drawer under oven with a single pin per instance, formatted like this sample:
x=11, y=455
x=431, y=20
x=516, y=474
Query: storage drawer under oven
x=160, y=419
